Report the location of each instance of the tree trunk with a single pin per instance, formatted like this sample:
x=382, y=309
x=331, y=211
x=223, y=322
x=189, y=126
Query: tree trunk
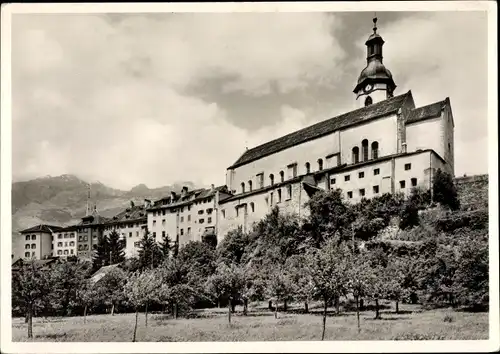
x=337, y=304
x=85, y=314
x=135, y=327
x=276, y=309
x=233, y=307
x=175, y=311
x=362, y=304
x=357, y=312
x=377, y=312
x=306, y=307
x=229, y=308
x=112, y=309
x=26, y=317
x=285, y=306
x=218, y=303
x=397, y=306
x=270, y=305
x=324, y=319
x=146, y=310
x=30, y=321
x=245, y=307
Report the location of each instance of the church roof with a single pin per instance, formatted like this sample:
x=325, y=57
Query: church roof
x=325, y=127
x=42, y=228
x=432, y=110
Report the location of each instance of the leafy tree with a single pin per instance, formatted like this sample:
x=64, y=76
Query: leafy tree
x=148, y=255
x=67, y=277
x=109, y=288
x=210, y=240
x=328, y=270
x=30, y=284
x=140, y=289
x=279, y=286
x=87, y=295
x=232, y=247
x=200, y=258
x=116, y=248
x=303, y=286
x=230, y=281
x=444, y=190
x=101, y=253
x=329, y=216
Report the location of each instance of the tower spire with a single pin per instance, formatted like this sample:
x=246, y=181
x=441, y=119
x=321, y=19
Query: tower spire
x=88, y=201
x=375, y=24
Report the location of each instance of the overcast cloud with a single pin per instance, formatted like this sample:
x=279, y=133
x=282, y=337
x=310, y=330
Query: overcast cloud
x=154, y=99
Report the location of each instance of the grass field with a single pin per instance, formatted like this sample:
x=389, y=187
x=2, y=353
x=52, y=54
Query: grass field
x=259, y=325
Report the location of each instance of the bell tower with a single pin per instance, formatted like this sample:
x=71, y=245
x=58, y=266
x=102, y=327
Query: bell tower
x=375, y=82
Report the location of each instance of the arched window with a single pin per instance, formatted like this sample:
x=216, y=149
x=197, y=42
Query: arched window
x=308, y=167
x=320, y=164
x=375, y=150
x=364, y=147
x=271, y=179
x=355, y=154
x=252, y=206
x=66, y=252
x=368, y=101
x=33, y=246
x=27, y=255
x=282, y=176
x=242, y=187
x=249, y=186
x=27, y=237
x=59, y=252
x=27, y=247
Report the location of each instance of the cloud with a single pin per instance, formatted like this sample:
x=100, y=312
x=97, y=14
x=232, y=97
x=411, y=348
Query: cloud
x=107, y=97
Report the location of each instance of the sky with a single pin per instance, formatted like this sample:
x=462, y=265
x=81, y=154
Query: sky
x=126, y=99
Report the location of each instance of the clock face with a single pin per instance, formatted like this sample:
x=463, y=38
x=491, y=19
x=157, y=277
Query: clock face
x=368, y=87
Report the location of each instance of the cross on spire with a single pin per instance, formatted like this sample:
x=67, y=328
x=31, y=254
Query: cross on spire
x=375, y=23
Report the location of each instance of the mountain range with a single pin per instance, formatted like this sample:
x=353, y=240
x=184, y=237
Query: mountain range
x=62, y=200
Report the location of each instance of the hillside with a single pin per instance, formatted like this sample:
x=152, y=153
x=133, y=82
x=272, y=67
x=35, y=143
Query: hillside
x=62, y=200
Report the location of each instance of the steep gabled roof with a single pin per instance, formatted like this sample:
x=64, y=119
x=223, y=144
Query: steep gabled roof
x=432, y=110
x=325, y=127
x=42, y=228
x=135, y=213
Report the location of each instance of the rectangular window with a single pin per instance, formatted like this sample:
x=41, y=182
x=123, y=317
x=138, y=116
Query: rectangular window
x=413, y=182
x=71, y=251
x=154, y=235
x=129, y=234
x=237, y=212
x=182, y=232
x=376, y=171
x=202, y=221
x=260, y=180
x=60, y=236
x=375, y=189
x=154, y=222
x=407, y=166
x=209, y=220
x=402, y=184
x=137, y=244
x=137, y=233
x=349, y=195
x=182, y=218
x=361, y=175
x=200, y=212
x=163, y=222
x=279, y=195
x=362, y=192
x=332, y=181
x=271, y=198
x=223, y=212
x=189, y=231
x=163, y=212
x=163, y=234
x=347, y=178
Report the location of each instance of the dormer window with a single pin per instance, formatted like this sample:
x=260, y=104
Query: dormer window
x=368, y=101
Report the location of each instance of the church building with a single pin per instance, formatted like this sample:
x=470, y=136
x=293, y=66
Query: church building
x=387, y=145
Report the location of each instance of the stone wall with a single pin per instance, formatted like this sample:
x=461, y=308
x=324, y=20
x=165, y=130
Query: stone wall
x=472, y=191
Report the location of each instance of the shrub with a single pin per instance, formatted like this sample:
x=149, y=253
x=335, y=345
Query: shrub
x=448, y=318
x=409, y=215
x=477, y=219
x=418, y=336
x=444, y=190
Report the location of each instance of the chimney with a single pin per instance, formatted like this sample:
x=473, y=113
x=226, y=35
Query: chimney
x=147, y=203
x=212, y=187
x=172, y=196
x=184, y=191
